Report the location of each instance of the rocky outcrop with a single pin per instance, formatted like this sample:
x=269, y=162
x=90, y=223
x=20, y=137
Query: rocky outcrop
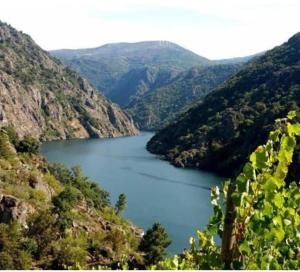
x=37, y=183
x=40, y=97
x=13, y=209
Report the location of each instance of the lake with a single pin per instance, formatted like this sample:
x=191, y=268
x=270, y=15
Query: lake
x=156, y=191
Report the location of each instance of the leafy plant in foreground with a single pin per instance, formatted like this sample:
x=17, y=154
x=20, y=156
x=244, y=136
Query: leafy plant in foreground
x=261, y=226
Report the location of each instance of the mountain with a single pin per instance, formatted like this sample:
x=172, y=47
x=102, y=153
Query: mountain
x=220, y=132
x=155, y=109
x=130, y=68
x=153, y=80
x=40, y=97
x=238, y=60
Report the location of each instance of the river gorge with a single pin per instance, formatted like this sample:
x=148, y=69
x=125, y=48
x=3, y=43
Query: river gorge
x=156, y=191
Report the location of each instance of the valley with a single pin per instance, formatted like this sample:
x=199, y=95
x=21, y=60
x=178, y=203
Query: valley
x=146, y=155
x=155, y=190
x=154, y=81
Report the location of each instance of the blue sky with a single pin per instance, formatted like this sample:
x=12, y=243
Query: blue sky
x=212, y=28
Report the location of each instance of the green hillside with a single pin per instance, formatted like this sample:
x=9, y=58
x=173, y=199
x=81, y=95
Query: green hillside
x=155, y=109
x=219, y=133
x=56, y=218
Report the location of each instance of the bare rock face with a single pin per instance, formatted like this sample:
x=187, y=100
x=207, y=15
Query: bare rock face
x=13, y=209
x=40, y=97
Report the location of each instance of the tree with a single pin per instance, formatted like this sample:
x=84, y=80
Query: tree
x=154, y=244
x=121, y=203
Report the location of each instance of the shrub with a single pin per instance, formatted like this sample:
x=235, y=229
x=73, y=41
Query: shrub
x=29, y=145
x=70, y=253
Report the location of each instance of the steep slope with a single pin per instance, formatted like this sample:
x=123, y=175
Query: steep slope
x=157, y=108
x=42, y=98
x=219, y=133
x=105, y=66
x=55, y=218
x=139, y=82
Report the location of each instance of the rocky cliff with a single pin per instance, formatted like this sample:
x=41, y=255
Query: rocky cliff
x=40, y=97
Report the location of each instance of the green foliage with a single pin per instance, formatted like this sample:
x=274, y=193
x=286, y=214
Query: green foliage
x=28, y=145
x=94, y=195
x=69, y=253
x=121, y=203
x=66, y=200
x=238, y=115
x=53, y=182
x=154, y=244
x=6, y=151
x=43, y=228
x=71, y=227
x=63, y=203
x=268, y=212
x=157, y=108
x=12, y=135
x=14, y=251
x=266, y=226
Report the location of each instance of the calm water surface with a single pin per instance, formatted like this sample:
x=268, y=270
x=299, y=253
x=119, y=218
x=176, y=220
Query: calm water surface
x=156, y=191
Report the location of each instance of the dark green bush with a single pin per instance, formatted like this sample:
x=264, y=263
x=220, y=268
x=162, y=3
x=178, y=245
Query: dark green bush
x=28, y=145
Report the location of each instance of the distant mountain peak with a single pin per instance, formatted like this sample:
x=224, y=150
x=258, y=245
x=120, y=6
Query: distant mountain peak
x=107, y=65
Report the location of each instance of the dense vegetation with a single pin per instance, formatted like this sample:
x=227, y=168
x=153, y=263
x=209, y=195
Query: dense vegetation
x=154, y=81
x=52, y=217
x=261, y=224
x=55, y=218
x=237, y=116
x=158, y=107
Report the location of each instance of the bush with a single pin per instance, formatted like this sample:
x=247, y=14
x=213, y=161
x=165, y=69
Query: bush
x=70, y=253
x=13, y=250
x=12, y=135
x=6, y=151
x=94, y=195
x=63, y=205
x=28, y=145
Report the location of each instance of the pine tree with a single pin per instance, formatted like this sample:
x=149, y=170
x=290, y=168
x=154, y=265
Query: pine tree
x=121, y=203
x=154, y=244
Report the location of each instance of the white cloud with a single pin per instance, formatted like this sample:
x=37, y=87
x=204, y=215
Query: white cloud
x=253, y=25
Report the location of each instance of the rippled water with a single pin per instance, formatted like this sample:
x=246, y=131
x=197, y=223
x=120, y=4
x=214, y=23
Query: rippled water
x=156, y=191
